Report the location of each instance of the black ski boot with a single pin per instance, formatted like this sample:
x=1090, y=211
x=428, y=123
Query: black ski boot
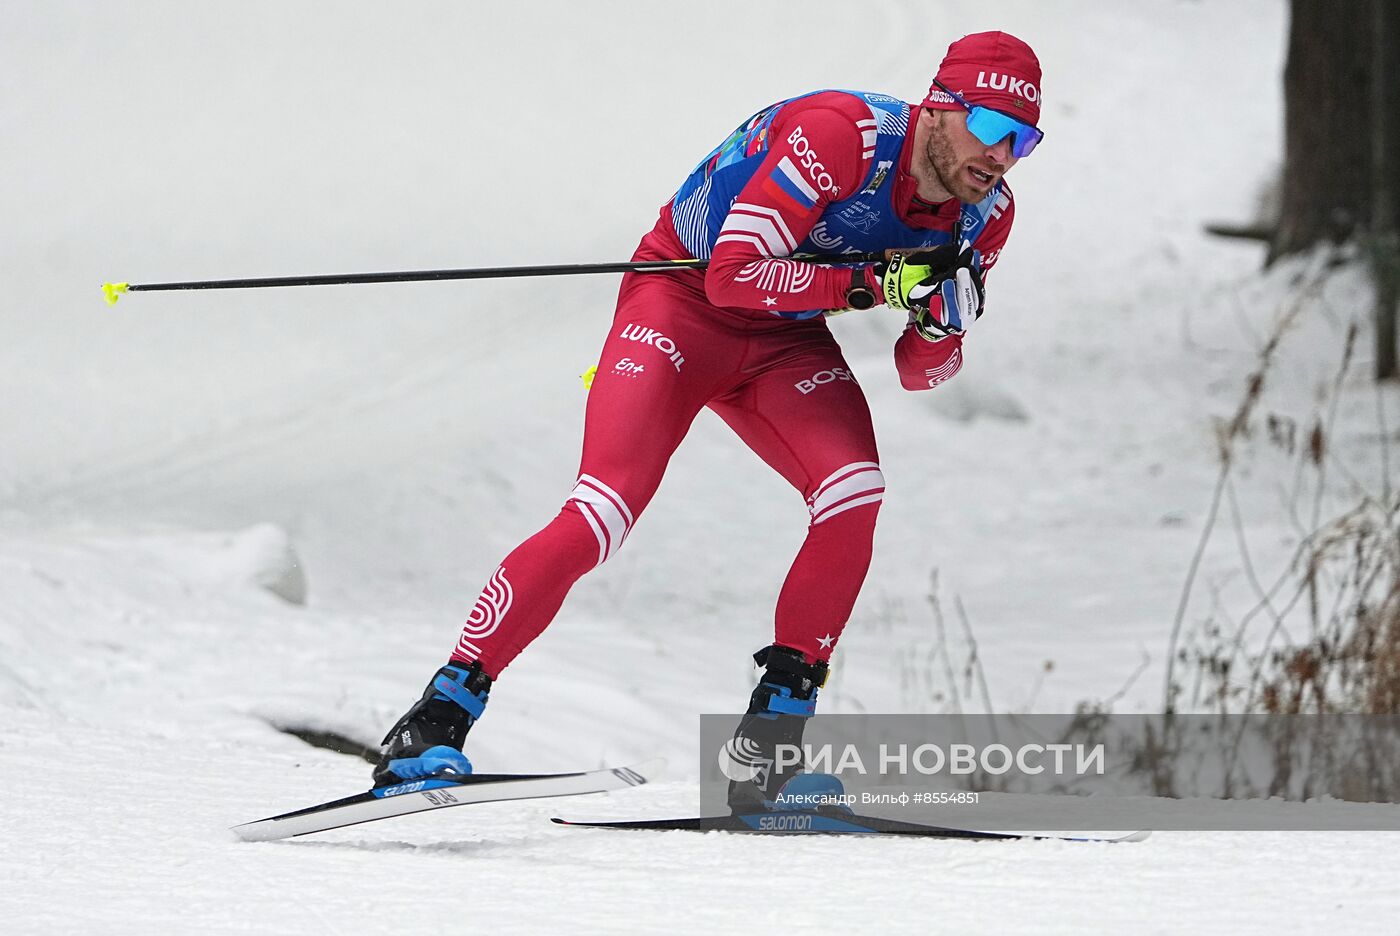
x=428, y=739
x=778, y=711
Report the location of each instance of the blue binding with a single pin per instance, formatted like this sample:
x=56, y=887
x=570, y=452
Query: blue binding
x=811, y=791
x=412, y=786
x=435, y=761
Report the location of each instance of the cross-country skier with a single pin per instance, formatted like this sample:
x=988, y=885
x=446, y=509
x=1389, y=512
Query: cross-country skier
x=826, y=172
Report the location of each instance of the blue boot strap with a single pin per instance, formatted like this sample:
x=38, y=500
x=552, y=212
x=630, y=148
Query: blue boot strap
x=473, y=704
x=781, y=702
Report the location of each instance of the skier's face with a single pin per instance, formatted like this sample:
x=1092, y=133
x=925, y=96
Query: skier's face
x=965, y=167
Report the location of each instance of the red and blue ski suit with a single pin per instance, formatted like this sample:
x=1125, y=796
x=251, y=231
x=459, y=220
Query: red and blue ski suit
x=824, y=173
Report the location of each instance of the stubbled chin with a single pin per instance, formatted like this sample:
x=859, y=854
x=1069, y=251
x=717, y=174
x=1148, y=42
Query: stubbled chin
x=962, y=185
x=967, y=192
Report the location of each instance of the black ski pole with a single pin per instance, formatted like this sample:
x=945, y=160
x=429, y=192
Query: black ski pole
x=113, y=291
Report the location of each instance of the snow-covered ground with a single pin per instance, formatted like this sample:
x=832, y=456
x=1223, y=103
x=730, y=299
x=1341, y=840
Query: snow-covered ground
x=159, y=460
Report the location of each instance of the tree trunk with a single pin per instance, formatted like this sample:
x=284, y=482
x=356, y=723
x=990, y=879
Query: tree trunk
x=1328, y=148
x=1385, y=186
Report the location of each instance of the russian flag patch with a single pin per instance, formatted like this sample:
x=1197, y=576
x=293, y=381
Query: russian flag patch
x=786, y=182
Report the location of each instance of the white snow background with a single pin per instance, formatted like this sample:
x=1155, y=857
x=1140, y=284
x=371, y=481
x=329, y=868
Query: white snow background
x=167, y=464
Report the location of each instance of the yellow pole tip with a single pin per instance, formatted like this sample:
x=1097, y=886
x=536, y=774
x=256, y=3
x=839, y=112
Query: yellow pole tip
x=113, y=291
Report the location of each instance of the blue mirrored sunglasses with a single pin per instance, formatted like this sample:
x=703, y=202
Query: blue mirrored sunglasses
x=991, y=127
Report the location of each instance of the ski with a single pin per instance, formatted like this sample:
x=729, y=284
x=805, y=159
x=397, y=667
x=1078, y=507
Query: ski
x=804, y=822
x=440, y=793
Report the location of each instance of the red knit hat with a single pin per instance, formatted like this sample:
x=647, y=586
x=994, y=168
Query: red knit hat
x=994, y=69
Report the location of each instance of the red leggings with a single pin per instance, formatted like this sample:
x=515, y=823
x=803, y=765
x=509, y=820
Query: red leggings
x=782, y=385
